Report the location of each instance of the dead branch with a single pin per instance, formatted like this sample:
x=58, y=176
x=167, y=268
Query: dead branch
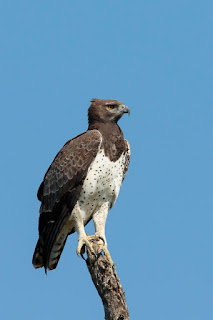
x=108, y=286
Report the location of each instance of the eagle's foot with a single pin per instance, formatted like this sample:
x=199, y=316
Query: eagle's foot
x=95, y=238
x=85, y=241
x=82, y=242
x=107, y=254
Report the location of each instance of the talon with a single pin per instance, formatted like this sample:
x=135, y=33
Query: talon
x=82, y=252
x=99, y=252
x=82, y=256
x=102, y=240
x=85, y=241
x=107, y=254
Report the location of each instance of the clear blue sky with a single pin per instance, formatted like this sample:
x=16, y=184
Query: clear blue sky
x=156, y=57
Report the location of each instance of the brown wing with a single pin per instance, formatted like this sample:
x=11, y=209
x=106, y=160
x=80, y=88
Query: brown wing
x=60, y=190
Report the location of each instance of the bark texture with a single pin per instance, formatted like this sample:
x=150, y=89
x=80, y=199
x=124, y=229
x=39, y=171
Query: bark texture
x=108, y=286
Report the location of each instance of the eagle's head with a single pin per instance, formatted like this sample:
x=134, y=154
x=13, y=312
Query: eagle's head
x=106, y=110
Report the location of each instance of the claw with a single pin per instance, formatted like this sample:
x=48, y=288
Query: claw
x=103, y=247
x=82, y=242
x=82, y=252
x=102, y=240
x=107, y=254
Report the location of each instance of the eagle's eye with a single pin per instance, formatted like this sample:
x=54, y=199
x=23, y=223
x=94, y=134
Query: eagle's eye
x=111, y=107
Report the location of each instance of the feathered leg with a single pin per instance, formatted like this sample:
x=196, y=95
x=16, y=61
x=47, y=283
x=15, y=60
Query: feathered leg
x=83, y=238
x=99, y=219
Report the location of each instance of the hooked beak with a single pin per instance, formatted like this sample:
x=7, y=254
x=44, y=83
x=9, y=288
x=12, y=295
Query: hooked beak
x=125, y=109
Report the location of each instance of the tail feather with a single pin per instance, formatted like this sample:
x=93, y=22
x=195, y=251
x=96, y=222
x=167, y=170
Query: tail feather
x=56, y=252
x=38, y=255
x=54, y=228
x=39, y=258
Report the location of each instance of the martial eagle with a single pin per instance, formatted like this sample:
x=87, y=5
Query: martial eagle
x=82, y=183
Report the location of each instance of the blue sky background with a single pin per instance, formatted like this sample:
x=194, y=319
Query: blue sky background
x=156, y=57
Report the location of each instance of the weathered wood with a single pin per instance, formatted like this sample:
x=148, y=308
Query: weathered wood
x=108, y=285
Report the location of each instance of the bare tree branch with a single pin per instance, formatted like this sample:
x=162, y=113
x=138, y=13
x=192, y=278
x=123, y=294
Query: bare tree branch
x=108, y=286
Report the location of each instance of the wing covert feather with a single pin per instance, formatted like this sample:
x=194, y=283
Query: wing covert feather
x=61, y=188
x=69, y=168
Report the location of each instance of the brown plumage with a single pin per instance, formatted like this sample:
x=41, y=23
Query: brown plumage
x=62, y=184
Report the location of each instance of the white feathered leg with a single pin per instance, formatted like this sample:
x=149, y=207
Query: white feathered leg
x=83, y=238
x=99, y=219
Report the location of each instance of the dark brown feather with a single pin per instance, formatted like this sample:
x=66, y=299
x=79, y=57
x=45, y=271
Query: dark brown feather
x=100, y=118
x=113, y=141
x=61, y=187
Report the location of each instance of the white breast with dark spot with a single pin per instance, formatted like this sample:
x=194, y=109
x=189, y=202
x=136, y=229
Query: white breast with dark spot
x=102, y=184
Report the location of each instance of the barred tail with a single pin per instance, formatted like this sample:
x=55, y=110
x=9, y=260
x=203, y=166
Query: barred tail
x=38, y=255
x=39, y=258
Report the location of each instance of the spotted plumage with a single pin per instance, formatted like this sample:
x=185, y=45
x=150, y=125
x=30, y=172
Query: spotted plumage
x=82, y=183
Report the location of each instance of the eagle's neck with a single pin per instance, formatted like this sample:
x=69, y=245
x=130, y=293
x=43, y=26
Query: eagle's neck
x=113, y=140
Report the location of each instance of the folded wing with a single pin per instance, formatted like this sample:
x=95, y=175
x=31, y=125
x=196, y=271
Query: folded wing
x=60, y=191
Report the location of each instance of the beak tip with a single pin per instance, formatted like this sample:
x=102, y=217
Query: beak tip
x=126, y=110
